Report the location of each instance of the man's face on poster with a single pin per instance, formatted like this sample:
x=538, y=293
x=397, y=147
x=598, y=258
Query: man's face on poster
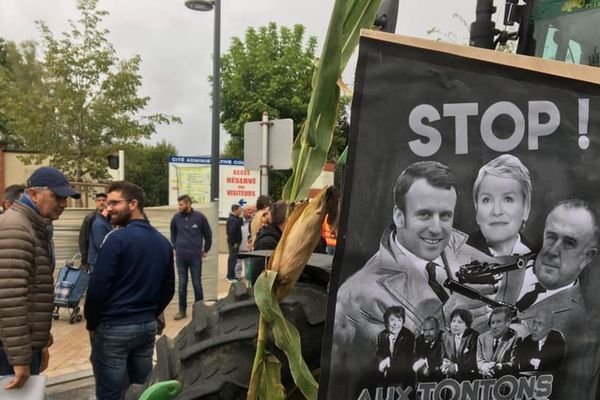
x=569, y=245
x=425, y=226
x=430, y=331
x=541, y=325
x=499, y=324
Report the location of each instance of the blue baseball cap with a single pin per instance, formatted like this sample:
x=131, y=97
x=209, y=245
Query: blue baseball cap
x=54, y=180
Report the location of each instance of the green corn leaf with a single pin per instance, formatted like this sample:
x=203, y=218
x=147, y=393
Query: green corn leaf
x=270, y=384
x=312, y=144
x=285, y=334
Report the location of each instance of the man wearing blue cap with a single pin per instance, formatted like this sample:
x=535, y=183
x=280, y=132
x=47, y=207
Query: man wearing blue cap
x=26, y=266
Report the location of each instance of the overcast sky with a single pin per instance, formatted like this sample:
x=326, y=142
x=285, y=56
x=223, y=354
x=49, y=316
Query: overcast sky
x=175, y=44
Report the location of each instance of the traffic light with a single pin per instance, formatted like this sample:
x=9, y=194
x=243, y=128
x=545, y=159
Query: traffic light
x=113, y=162
x=387, y=16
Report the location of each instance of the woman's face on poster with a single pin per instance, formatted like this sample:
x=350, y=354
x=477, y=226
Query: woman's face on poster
x=457, y=325
x=501, y=209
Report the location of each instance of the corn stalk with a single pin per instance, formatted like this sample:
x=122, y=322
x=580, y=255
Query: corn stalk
x=303, y=226
x=312, y=144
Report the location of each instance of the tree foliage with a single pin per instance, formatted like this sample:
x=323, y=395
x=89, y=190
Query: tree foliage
x=271, y=70
x=148, y=167
x=22, y=90
x=86, y=104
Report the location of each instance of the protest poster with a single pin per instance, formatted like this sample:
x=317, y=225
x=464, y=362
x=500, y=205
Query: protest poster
x=459, y=156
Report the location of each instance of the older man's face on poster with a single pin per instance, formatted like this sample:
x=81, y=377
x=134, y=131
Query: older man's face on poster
x=568, y=247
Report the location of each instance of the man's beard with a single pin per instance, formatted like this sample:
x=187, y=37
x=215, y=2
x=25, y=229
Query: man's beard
x=121, y=218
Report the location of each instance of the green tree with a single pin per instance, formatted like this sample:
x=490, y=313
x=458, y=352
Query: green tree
x=21, y=90
x=89, y=105
x=271, y=70
x=148, y=167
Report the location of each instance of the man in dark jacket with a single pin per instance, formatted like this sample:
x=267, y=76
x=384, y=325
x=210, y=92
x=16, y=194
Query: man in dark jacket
x=86, y=228
x=234, y=239
x=27, y=261
x=100, y=228
x=269, y=236
x=544, y=349
x=132, y=283
x=12, y=193
x=192, y=237
x=394, y=354
x=428, y=352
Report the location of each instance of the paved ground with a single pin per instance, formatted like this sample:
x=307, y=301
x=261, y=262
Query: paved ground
x=69, y=373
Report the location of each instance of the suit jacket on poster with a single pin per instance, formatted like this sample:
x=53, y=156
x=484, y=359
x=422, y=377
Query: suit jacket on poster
x=551, y=354
x=571, y=319
x=505, y=355
x=432, y=352
x=510, y=287
x=465, y=356
x=388, y=279
x=400, y=370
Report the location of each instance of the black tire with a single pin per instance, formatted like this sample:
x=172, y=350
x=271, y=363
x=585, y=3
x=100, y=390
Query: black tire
x=212, y=356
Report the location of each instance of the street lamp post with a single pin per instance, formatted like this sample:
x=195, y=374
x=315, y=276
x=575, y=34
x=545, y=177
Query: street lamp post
x=207, y=5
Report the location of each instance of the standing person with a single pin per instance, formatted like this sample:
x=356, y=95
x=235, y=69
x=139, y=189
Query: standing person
x=544, y=349
x=12, y=193
x=192, y=237
x=502, y=196
x=269, y=236
x=263, y=203
x=243, y=266
x=459, y=347
x=395, y=345
x=428, y=352
x=27, y=261
x=497, y=348
x=100, y=228
x=570, y=246
x=329, y=233
x=132, y=283
x=86, y=228
x=234, y=239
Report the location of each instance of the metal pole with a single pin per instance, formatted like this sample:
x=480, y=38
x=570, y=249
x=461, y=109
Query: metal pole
x=214, y=154
x=121, y=165
x=264, y=168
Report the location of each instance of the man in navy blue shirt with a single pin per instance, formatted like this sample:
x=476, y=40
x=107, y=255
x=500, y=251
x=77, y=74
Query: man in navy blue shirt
x=131, y=284
x=192, y=237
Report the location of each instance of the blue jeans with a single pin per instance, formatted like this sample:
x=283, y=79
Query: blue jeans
x=121, y=355
x=234, y=249
x=34, y=367
x=195, y=268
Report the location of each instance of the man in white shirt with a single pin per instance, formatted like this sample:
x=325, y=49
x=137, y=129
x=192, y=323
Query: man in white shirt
x=570, y=244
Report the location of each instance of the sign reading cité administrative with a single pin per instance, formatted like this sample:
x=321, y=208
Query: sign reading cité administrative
x=191, y=175
x=467, y=265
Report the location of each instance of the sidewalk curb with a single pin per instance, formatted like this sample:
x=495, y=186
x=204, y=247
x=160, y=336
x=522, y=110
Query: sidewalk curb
x=67, y=378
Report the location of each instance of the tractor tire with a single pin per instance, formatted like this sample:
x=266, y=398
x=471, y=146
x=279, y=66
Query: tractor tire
x=213, y=355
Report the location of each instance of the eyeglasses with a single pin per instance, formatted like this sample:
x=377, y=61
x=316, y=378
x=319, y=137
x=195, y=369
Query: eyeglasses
x=112, y=203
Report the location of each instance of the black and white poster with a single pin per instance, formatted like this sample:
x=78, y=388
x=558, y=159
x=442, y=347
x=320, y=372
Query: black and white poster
x=467, y=264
